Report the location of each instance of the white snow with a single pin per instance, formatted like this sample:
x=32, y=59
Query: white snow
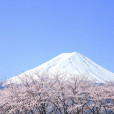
x=73, y=63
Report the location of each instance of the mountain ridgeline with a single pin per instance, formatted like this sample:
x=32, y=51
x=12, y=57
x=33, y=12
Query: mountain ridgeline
x=70, y=63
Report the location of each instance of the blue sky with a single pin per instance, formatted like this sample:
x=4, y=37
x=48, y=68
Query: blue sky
x=34, y=31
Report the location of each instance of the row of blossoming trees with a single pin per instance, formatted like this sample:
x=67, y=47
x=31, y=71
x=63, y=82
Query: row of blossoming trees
x=57, y=95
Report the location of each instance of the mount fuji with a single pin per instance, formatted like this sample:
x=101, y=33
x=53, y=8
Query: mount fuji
x=71, y=63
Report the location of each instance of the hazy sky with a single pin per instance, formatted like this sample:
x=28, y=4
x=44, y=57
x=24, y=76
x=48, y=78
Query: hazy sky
x=34, y=31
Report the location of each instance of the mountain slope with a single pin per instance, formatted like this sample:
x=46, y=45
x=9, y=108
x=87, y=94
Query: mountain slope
x=73, y=63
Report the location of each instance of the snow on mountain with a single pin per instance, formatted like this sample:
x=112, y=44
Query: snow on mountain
x=73, y=63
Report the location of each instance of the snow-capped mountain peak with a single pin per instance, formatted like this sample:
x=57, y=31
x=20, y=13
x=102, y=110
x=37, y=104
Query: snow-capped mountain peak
x=72, y=63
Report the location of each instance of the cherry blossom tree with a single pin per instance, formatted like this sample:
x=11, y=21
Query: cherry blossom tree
x=54, y=94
